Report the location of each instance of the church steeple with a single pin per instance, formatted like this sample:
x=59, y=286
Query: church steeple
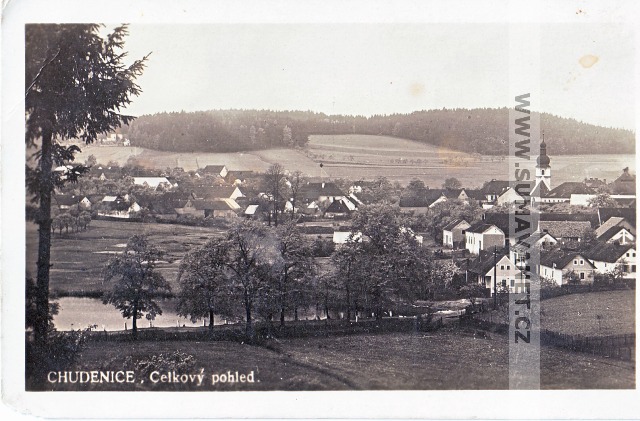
x=543, y=168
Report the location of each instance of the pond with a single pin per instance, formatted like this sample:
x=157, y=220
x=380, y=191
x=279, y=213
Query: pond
x=78, y=313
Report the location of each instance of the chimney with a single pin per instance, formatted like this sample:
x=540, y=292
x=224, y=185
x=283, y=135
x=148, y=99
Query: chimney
x=626, y=171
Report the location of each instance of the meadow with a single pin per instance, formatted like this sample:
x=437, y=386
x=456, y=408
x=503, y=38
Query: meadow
x=366, y=157
x=591, y=314
x=79, y=258
x=392, y=361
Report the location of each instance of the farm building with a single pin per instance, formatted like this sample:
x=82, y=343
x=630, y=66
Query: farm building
x=216, y=208
x=608, y=257
x=629, y=214
x=564, y=267
x=320, y=192
x=218, y=170
x=625, y=184
x=453, y=233
x=617, y=234
x=482, y=236
x=216, y=192
x=565, y=231
x=615, y=221
x=69, y=201
x=481, y=270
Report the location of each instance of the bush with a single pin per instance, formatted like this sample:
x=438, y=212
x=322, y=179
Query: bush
x=60, y=353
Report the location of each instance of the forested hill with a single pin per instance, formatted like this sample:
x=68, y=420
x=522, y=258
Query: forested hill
x=481, y=130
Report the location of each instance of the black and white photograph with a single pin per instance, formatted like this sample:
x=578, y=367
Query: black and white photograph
x=288, y=204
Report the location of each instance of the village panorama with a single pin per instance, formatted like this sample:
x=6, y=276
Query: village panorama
x=256, y=250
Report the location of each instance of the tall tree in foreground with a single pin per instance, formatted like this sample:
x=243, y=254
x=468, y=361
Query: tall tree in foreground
x=138, y=283
x=76, y=83
x=251, y=248
x=202, y=278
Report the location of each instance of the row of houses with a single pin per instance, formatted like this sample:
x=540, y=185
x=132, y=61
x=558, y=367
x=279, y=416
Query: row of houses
x=500, y=193
x=219, y=201
x=488, y=242
x=558, y=266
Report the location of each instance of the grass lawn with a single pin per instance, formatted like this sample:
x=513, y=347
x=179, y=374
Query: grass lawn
x=394, y=361
x=79, y=258
x=577, y=314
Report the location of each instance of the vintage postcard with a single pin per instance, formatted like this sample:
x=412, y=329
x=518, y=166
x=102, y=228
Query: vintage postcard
x=350, y=210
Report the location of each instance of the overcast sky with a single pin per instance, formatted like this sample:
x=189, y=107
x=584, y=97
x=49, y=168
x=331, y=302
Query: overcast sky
x=379, y=68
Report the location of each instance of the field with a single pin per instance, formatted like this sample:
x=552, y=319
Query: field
x=591, y=314
x=79, y=258
x=366, y=157
x=394, y=361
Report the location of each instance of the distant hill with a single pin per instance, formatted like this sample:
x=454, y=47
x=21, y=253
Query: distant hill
x=479, y=130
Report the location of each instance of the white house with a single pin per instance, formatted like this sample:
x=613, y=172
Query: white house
x=483, y=236
x=506, y=273
x=607, y=257
x=561, y=266
x=453, y=233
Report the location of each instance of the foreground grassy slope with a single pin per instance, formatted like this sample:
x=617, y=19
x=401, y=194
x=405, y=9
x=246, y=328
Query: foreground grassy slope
x=591, y=314
x=398, y=361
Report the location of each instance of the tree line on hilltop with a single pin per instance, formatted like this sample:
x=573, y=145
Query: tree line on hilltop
x=480, y=130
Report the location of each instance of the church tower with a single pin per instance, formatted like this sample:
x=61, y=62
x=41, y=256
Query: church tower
x=543, y=168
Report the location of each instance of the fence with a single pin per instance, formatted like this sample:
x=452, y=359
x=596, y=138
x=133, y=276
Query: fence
x=262, y=330
x=615, y=346
x=621, y=347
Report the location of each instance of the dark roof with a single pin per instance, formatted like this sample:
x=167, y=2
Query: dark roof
x=610, y=233
x=211, y=205
x=480, y=227
x=592, y=218
x=213, y=169
x=484, y=262
x=313, y=191
x=426, y=199
x=495, y=187
x=500, y=220
x=452, y=193
x=565, y=229
x=67, y=199
x=625, y=201
x=627, y=213
x=211, y=193
x=95, y=198
x=540, y=190
x=607, y=252
x=561, y=258
x=625, y=184
x=475, y=194
x=452, y=224
x=241, y=175
x=337, y=207
x=565, y=190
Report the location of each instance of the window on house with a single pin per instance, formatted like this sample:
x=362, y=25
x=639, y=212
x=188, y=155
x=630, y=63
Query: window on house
x=628, y=255
x=633, y=254
x=513, y=283
x=501, y=267
x=575, y=262
x=504, y=283
x=581, y=275
x=508, y=267
x=581, y=262
x=633, y=268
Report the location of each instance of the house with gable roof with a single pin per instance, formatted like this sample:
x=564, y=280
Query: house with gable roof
x=564, y=267
x=607, y=257
x=453, y=233
x=481, y=270
x=483, y=236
